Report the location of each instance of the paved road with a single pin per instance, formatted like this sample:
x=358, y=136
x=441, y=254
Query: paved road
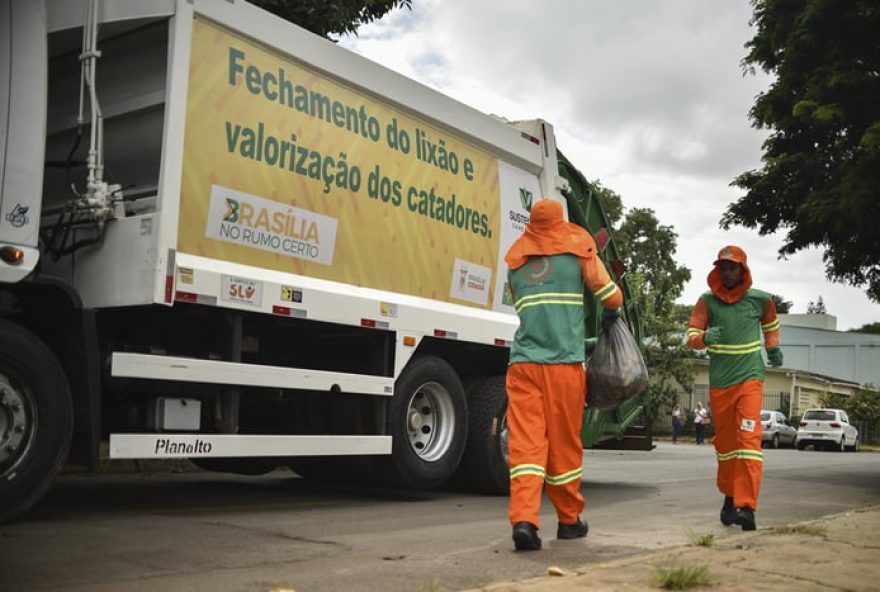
x=207, y=531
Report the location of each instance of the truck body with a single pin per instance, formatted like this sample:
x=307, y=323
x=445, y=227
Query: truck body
x=226, y=239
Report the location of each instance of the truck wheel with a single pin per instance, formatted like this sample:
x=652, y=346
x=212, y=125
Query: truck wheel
x=427, y=421
x=36, y=419
x=485, y=467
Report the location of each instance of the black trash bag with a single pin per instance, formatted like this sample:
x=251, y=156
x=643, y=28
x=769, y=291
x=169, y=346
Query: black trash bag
x=616, y=371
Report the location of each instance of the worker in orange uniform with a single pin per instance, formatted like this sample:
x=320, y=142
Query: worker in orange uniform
x=728, y=321
x=546, y=381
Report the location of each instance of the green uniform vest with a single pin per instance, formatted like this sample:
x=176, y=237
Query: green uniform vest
x=737, y=357
x=548, y=294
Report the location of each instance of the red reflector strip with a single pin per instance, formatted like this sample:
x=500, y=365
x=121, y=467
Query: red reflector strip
x=169, y=287
x=186, y=296
x=445, y=334
x=281, y=310
x=374, y=324
x=502, y=342
x=531, y=139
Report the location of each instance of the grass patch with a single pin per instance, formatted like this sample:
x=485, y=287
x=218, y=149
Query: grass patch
x=809, y=529
x=699, y=539
x=682, y=578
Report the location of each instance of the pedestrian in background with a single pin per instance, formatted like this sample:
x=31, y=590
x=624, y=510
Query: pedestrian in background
x=700, y=415
x=728, y=321
x=676, y=424
x=549, y=265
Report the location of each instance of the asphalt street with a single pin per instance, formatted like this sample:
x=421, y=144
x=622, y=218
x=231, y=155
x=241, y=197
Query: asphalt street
x=210, y=531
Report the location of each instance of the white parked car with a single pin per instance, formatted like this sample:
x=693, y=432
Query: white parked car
x=776, y=430
x=827, y=428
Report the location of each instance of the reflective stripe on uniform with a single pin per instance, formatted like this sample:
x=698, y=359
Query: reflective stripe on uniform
x=742, y=454
x=567, y=477
x=606, y=291
x=565, y=298
x=694, y=331
x=736, y=350
x=522, y=470
x=771, y=326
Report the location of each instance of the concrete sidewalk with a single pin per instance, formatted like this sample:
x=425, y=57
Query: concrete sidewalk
x=839, y=552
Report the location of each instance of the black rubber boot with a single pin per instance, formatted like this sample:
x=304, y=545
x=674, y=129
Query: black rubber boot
x=745, y=517
x=572, y=531
x=525, y=537
x=728, y=512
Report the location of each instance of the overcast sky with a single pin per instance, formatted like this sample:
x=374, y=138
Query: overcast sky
x=646, y=96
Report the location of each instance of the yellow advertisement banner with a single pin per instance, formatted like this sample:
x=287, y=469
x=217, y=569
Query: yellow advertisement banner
x=287, y=169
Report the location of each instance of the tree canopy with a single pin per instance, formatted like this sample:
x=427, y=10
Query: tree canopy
x=655, y=279
x=820, y=178
x=783, y=306
x=817, y=307
x=872, y=328
x=339, y=17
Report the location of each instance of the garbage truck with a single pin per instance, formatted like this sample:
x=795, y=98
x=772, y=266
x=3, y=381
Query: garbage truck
x=225, y=239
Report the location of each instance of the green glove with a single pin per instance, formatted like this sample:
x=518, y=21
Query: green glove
x=610, y=313
x=712, y=335
x=774, y=357
x=590, y=344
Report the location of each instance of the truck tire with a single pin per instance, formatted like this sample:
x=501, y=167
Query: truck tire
x=427, y=421
x=484, y=467
x=36, y=419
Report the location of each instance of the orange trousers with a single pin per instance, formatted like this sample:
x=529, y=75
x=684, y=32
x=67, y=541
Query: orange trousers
x=736, y=411
x=544, y=415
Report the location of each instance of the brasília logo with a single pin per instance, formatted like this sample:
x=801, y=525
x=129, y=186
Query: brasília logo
x=231, y=214
x=525, y=197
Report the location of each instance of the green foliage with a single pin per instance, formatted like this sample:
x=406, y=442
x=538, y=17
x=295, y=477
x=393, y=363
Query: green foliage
x=610, y=201
x=873, y=328
x=656, y=280
x=704, y=539
x=782, y=305
x=682, y=578
x=863, y=406
x=820, y=178
x=339, y=17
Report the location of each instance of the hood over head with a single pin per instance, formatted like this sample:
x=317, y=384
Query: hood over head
x=547, y=233
x=737, y=255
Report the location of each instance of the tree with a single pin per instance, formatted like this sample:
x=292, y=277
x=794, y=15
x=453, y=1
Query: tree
x=656, y=281
x=782, y=305
x=817, y=307
x=873, y=328
x=331, y=18
x=863, y=406
x=820, y=177
x=611, y=202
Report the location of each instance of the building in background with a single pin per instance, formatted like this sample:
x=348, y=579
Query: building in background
x=812, y=343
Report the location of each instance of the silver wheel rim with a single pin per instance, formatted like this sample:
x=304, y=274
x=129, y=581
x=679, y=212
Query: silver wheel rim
x=17, y=425
x=430, y=421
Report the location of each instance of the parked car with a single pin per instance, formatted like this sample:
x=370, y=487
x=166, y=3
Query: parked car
x=776, y=429
x=827, y=428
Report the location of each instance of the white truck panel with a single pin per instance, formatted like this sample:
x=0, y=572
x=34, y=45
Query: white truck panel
x=22, y=92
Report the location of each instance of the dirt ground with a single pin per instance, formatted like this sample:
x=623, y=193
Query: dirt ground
x=840, y=552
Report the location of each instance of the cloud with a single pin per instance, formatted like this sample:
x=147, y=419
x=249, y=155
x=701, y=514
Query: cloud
x=648, y=97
